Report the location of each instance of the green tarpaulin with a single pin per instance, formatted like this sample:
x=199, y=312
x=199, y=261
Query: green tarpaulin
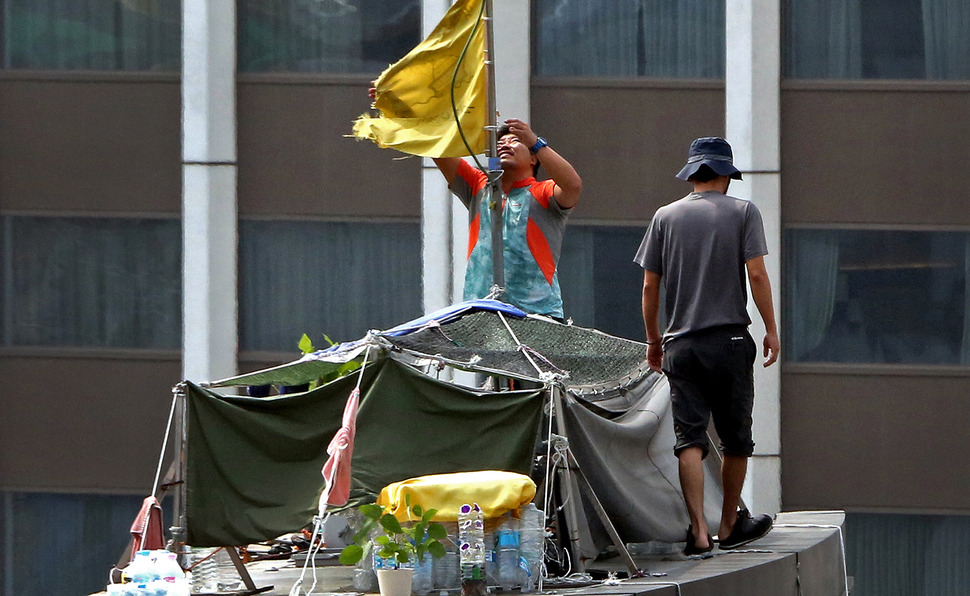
x=253, y=470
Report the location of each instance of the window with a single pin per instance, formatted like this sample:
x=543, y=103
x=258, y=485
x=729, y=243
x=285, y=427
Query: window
x=601, y=285
x=907, y=555
x=629, y=38
x=336, y=278
x=92, y=282
x=331, y=36
x=83, y=536
x=91, y=34
x=869, y=296
x=878, y=39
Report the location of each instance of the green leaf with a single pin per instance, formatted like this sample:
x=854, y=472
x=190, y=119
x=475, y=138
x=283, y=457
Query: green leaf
x=428, y=514
x=402, y=556
x=383, y=540
x=351, y=554
x=437, y=531
x=436, y=549
x=417, y=510
x=305, y=345
x=372, y=511
x=390, y=524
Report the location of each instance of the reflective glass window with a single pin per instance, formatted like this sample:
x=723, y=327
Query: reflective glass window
x=327, y=36
x=91, y=34
x=335, y=278
x=629, y=38
x=867, y=296
x=877, y=39
x=601, y=285
x=94, y=282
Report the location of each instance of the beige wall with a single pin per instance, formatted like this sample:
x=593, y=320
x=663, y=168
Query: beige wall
x=294, y=158
x=83, y=423
x=873, y=155
x=101, y=144
x=875, y=441
x=626, y=141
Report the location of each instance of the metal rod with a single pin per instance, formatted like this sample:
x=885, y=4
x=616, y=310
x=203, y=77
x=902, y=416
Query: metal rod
x=572, y=498
x=604, y=518
x=495, y=198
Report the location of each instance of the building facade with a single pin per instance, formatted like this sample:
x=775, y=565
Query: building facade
x=162, y=198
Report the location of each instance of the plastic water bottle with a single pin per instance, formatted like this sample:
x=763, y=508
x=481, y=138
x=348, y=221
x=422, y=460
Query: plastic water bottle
x=138, y=570
x=471, y=550
x=421, y=581
x=532, y=535
x=446, y=576
x=507, y=554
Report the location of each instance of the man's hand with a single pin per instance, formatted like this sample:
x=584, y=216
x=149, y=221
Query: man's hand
x=655, y=356
x=522, y=131
x=772, y=347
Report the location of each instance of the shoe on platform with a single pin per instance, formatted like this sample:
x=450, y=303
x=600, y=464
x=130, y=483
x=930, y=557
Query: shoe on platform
x=746, y=529
x=691, y=548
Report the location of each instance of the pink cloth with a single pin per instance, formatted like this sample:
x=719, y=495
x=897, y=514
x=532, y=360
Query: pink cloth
x=336, y=472
x=146, y=530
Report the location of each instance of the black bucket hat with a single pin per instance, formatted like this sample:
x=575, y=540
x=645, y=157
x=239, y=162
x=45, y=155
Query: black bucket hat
x=715, y=153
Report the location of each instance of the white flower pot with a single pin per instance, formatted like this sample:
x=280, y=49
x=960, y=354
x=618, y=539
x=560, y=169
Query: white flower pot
x=395, y=582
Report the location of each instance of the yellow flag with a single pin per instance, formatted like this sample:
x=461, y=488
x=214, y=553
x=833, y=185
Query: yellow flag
x=414, y=94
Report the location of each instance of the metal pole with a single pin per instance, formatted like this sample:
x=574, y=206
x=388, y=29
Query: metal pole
x=180, y=532
x=495, y=197
x=572, y=496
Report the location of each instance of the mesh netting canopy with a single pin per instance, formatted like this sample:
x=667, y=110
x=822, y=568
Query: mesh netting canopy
x=490, y=341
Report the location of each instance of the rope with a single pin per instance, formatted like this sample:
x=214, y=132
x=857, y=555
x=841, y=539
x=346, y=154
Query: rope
x=321, y=517
x=176, y=391
x=528, y=352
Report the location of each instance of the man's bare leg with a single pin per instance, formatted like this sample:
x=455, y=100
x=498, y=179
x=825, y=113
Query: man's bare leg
x=733, y=470
x=691, y=467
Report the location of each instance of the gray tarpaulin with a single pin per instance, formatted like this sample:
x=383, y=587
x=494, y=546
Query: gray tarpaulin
x=625, y=449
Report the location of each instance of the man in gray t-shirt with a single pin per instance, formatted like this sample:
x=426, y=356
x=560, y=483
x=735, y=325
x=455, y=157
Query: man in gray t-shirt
x=701, y=247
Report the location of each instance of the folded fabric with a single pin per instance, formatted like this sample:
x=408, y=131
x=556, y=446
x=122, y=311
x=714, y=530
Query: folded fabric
x=495, y=492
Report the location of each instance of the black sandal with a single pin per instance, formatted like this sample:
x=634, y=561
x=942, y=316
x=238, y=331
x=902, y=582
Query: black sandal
x=691, y=548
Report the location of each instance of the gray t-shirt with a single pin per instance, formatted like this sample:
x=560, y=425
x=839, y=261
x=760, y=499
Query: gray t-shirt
x=699, y=245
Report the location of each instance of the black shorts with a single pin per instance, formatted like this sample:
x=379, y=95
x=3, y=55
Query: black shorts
x=711, y=373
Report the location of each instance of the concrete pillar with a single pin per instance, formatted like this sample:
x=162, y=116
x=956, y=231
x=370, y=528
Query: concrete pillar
x=209, y=214
x=752, y=72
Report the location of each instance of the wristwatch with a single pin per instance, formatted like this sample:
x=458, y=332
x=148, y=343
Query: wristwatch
x=540, y=143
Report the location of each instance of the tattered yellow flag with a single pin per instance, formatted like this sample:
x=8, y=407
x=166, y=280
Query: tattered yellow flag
x=414, y=94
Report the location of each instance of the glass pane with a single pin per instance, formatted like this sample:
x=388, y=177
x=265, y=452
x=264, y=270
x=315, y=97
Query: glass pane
x=335, y=278
x=333, y=36
x=629, y=38
x=92, y=34
x=877, y=39
x=98, y=282
x=601, y=285
x=907, y=555
x=876, y=296
x=84, y=535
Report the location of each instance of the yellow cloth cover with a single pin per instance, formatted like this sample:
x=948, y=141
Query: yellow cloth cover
x=414, y=94
x=495, y=492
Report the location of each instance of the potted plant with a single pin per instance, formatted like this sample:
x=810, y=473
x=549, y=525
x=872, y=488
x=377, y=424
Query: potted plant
x=398, y=544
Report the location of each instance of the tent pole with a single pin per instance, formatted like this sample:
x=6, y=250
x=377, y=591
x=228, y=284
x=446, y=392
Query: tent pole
x=179, y=533
x=572, y=499
x=495, y=198
x=605, y=519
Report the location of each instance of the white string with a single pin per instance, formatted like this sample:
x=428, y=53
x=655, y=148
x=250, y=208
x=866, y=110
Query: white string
x=519, y=345
x=318, y=520
x=168, y=429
